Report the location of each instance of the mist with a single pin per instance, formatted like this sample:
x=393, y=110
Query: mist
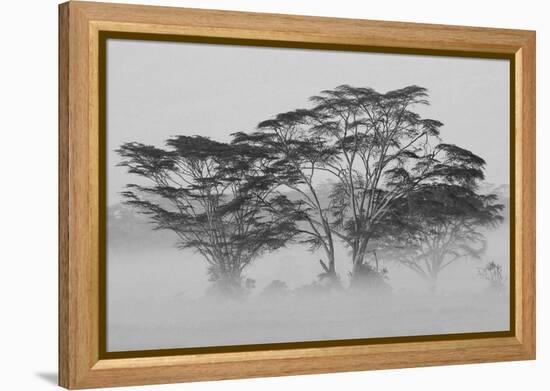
x=158, y=297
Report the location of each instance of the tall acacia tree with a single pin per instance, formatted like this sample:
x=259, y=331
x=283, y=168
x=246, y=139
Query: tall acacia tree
x=443, y=165
x=439, y=225
x=212, y=195
x=298, y=158
x=382, y=145
x=373, y=146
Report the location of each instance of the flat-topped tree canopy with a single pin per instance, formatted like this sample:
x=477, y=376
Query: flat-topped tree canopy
x=213, y=196
x=437, y=225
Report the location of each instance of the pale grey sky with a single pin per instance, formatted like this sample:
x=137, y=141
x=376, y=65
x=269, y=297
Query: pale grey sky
x=160, y=89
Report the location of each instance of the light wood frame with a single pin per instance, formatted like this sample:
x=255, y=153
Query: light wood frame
x=80, y=166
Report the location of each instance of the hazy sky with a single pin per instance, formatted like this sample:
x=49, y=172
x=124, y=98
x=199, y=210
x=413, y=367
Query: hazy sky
x=159, y=89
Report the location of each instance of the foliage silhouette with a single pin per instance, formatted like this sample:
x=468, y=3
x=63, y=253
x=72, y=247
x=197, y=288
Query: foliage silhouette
x=394, y=187
x=439, y=225
x=212, y=195
x=374, y=147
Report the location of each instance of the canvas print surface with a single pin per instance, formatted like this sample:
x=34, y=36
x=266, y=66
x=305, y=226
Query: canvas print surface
x=263, y=195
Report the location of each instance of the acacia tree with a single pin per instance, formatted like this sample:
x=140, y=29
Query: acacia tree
x=212, y=195
x=377, y=136
x=439, y=225
x=493, y=274
x=298, y=156
x=375, y=149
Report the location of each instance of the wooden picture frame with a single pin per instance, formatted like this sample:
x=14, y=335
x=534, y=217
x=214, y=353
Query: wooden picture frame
x=82, y=362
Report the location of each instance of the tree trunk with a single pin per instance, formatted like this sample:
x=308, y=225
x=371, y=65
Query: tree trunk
x=432, y=284
x=329, y=267
x=227, y=279
x=358, y=256
x=356, y=266
x=436, y=262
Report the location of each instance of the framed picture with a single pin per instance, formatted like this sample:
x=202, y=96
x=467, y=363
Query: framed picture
x=248, y=195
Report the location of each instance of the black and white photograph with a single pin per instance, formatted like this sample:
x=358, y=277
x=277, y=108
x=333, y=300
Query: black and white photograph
x=265, y=195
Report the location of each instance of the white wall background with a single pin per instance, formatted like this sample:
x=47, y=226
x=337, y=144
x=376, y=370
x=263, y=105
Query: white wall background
x=28, y=161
